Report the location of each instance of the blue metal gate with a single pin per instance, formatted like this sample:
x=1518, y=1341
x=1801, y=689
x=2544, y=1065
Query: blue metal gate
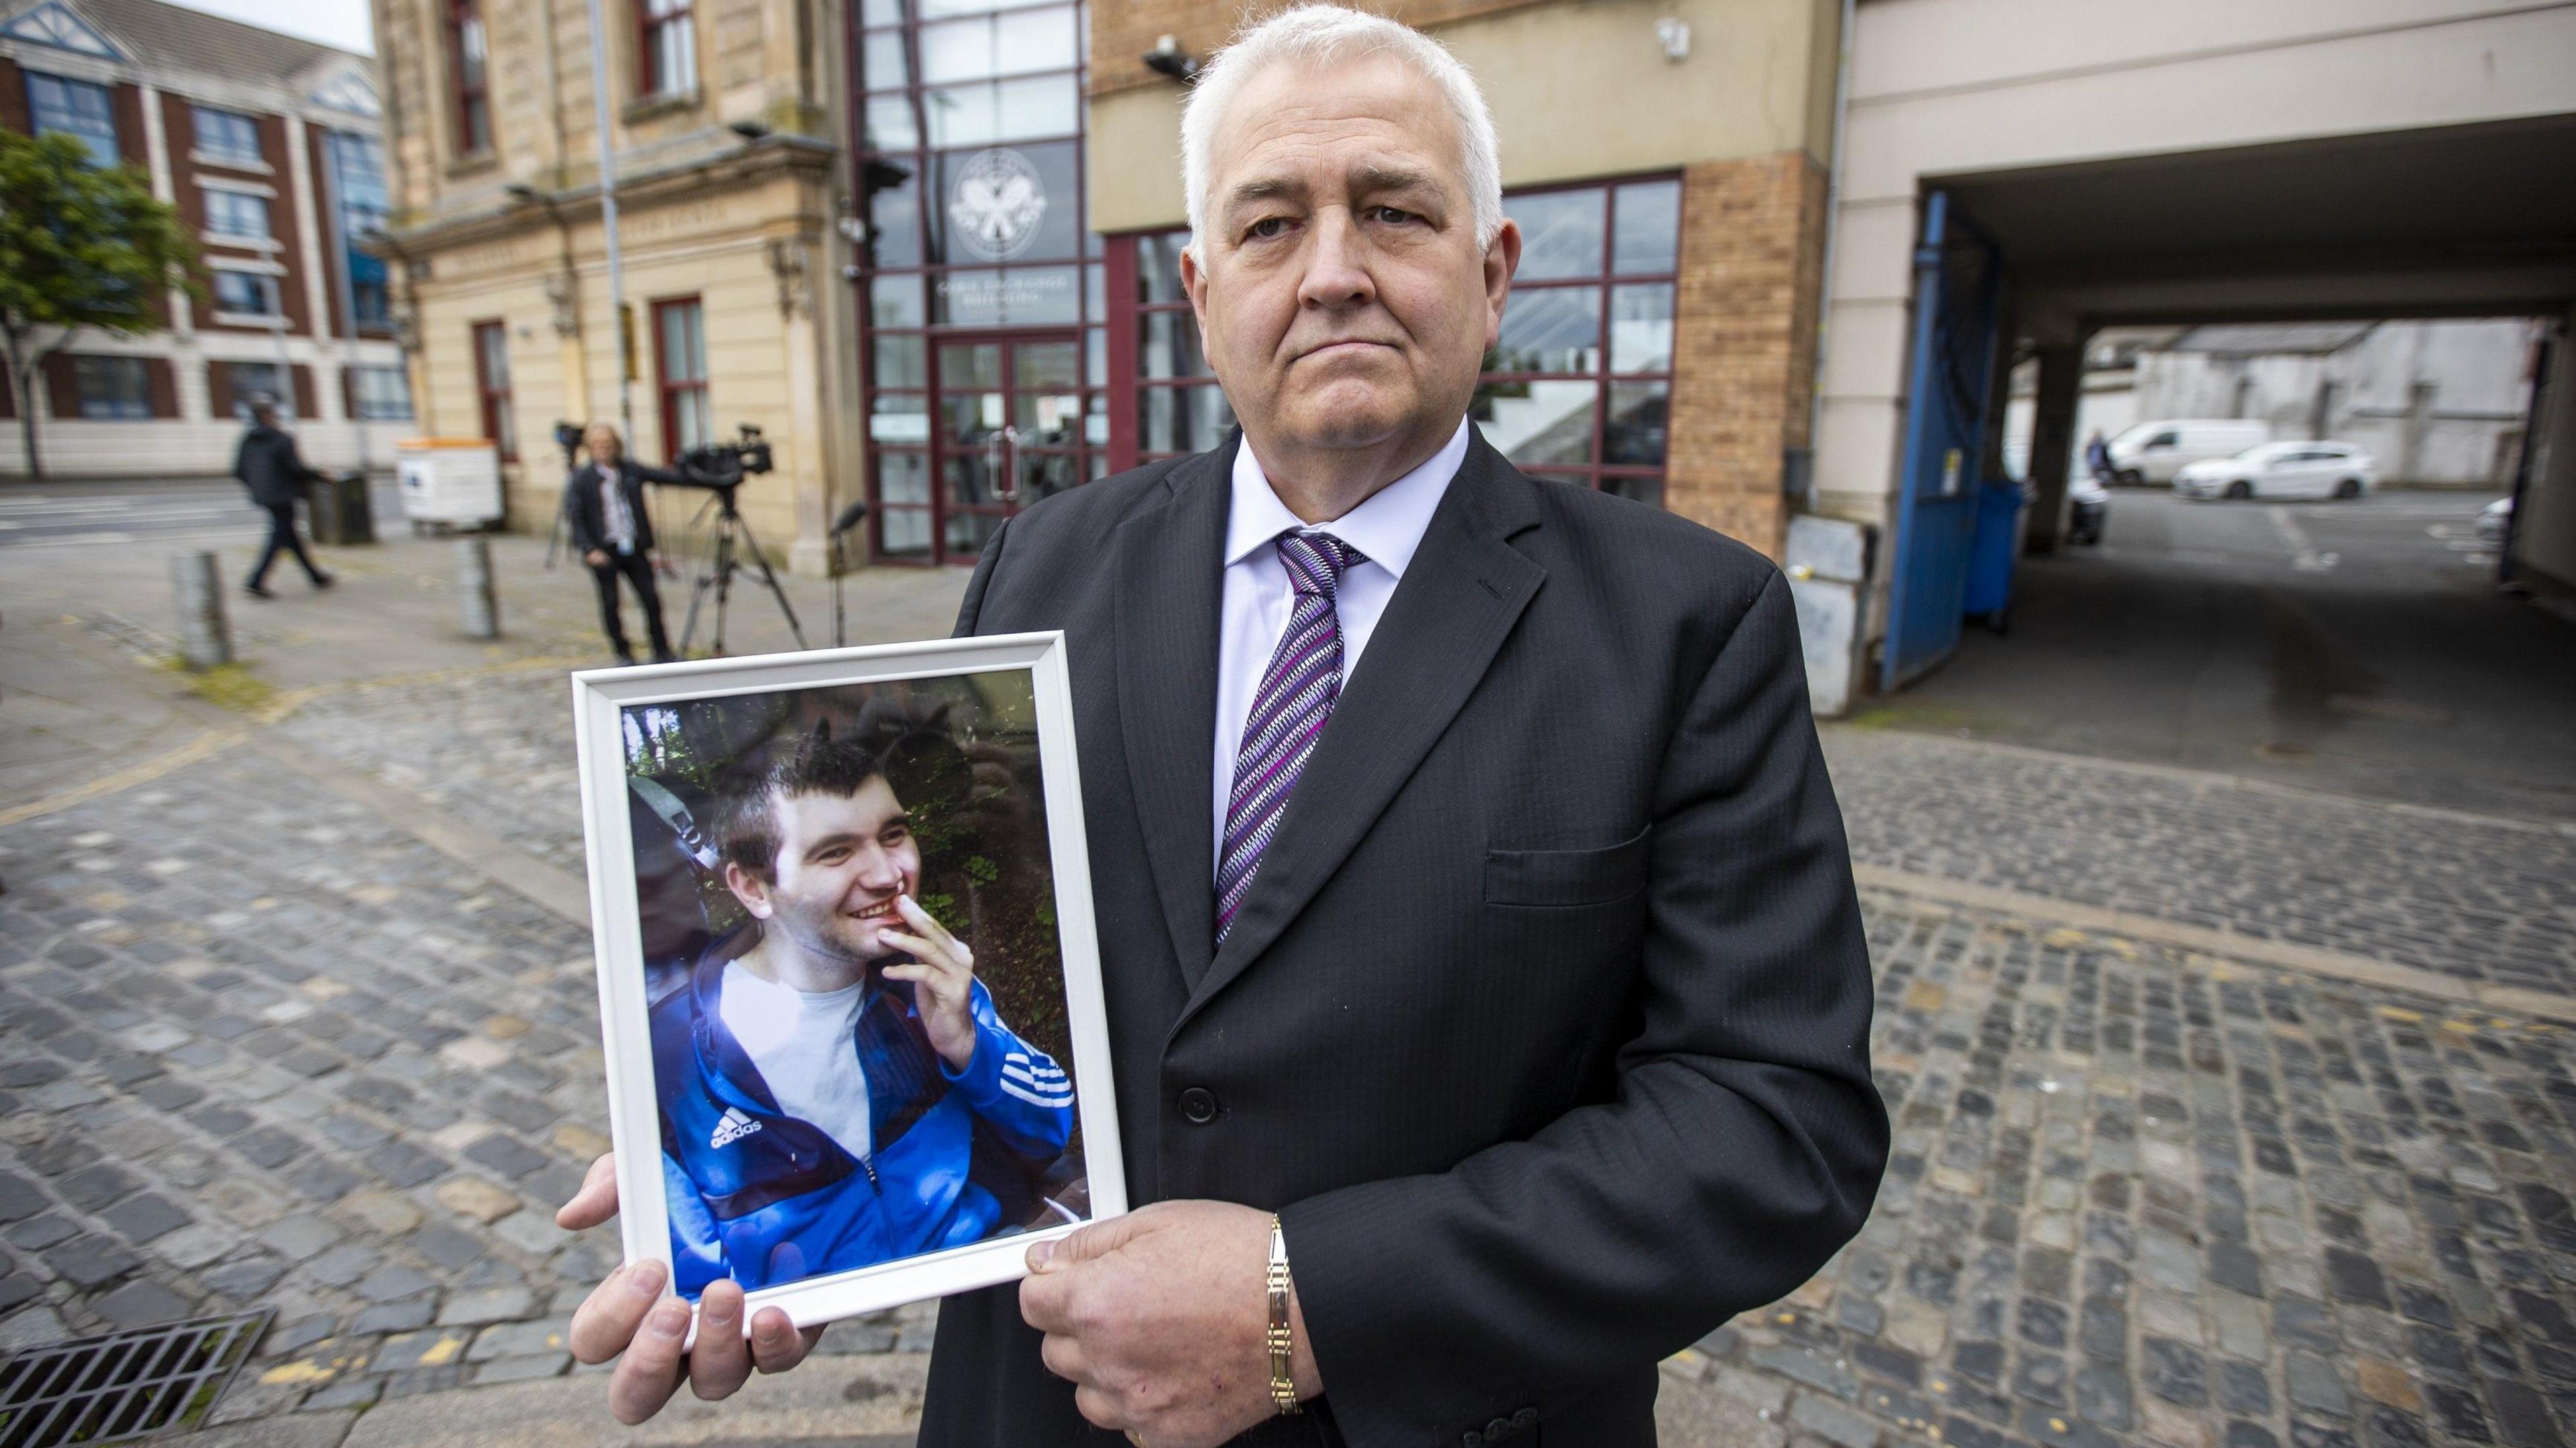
x=1958, y=293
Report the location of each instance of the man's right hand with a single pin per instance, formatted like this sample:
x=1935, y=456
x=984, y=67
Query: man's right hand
x=596, y=558
x=631, y=1314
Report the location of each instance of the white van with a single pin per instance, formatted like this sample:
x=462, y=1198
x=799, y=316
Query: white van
x=2152, y=452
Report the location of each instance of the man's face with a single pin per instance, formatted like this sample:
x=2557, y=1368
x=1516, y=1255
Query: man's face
x=1341, y=295
x=603, y=444
x=841, y=862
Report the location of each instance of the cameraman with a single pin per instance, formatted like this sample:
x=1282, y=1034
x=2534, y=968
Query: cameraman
x=604, y=499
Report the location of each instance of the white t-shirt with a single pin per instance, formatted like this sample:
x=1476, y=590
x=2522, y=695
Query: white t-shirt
x=806, y=1048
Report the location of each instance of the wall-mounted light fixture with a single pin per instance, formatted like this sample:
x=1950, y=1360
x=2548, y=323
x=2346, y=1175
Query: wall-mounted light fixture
x=1168, y=58
x=1673, y=34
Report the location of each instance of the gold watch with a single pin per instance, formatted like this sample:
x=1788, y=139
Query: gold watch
x=1283, y=1384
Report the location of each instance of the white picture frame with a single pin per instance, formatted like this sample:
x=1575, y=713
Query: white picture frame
x=601, y=698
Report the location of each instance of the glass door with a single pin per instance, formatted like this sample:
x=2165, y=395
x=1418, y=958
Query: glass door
x=1009, y=429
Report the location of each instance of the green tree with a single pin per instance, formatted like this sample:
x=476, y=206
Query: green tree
x=80, y=246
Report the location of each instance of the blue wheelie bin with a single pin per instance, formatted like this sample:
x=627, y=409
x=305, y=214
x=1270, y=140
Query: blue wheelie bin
x=1991, y=552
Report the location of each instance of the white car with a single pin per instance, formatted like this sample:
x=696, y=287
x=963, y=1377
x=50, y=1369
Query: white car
x=2495, y=520
x=2282, y=470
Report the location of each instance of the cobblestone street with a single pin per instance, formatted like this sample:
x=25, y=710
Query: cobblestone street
x=293, y=1024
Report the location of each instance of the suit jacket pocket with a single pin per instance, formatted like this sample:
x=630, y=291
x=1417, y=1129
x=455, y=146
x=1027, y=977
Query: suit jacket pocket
x=1566, y=877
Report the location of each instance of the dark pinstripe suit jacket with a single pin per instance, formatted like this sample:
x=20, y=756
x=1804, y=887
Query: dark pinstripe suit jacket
x=1545, y=1026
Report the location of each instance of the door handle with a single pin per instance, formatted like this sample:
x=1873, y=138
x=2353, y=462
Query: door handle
x=1006, y=446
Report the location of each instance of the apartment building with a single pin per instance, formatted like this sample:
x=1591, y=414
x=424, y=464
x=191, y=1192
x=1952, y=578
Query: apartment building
x=271, y=149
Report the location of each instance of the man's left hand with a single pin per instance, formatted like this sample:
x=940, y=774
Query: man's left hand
x=1157, y=1319
x=943, y=982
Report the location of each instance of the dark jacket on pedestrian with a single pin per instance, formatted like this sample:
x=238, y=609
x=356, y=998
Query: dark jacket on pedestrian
x=267, y=465
x=589, y=519
x=1545, y=1024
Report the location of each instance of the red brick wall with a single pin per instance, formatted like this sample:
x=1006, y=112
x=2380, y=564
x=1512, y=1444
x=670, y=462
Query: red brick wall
x=319, y=159
x=125, y=103
x=1745, y=343
x=62, y=389
x=165, y=386
x=13, y=98
x=1123, y=30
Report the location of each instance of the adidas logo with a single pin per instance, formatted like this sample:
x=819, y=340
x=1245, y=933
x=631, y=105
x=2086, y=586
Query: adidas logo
x=734, y=1127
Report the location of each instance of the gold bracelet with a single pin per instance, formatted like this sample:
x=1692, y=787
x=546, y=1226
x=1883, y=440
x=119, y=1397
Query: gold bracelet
x=1283, y=1384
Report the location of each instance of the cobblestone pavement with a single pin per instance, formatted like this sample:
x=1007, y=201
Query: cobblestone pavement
x=2143, y=1196
x=261, y=1045
x=2480, y=900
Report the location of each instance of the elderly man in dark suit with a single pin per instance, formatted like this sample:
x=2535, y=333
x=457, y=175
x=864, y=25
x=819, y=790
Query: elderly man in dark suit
x=1486, y=981
x=268, y=465
x=613, y=532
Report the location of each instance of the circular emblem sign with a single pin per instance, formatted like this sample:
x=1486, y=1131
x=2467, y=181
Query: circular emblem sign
x=997, y=204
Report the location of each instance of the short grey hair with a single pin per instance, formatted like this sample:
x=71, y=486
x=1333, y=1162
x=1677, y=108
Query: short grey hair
x=1322, y=34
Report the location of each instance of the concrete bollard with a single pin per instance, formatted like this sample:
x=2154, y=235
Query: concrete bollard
x=474, y=583
x=205, y=641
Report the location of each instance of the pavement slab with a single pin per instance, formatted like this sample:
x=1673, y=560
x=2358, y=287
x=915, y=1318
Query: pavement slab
x=272, y=1033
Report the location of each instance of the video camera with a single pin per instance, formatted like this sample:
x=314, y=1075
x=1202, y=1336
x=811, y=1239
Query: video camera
x=721, y=466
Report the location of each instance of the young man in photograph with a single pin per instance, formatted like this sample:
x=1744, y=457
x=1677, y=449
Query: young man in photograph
x=842, y=1092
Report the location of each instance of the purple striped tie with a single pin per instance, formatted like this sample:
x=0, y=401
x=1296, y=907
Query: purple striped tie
x=1288, y=713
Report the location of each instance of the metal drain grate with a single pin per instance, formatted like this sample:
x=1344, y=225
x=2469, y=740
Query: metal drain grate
x=124, y=1385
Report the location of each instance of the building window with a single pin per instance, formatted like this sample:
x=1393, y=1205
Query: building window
x=668, y=46
x=357, y=175
x=1578, y=386
x=247, y=294
x=680, y=364
x=468, y=55
x=73, y=108
x=492, y=385
x=986, y=292
x=112, y=387
x=231, y=213
x=1581, y=381
x=227, y=136
x=254, y=380
x=381, y=394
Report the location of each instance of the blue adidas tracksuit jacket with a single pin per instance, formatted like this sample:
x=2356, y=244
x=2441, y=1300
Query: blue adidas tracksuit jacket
x=766, y=1198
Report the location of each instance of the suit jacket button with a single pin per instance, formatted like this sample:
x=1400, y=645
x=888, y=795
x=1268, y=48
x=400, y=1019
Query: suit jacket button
x=1524, y=1417
x=1198, y=1105
x=1497, y=1430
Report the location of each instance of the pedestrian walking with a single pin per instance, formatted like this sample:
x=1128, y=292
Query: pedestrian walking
x=2097, y=458
x=267, y=464
x=604, y=498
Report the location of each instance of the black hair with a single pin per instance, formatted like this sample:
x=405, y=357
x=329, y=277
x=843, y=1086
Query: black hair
x=915, y=756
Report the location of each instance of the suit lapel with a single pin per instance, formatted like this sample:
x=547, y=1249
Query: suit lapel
x=1461, y=595
x=1170, y=598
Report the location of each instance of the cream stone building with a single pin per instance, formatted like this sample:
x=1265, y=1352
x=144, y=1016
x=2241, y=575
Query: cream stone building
x=729, y=186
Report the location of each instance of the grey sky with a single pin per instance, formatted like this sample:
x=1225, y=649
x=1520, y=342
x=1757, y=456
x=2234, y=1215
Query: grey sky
x=344, y=23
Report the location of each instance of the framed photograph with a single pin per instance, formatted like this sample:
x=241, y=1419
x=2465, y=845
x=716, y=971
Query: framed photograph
x=848, y=980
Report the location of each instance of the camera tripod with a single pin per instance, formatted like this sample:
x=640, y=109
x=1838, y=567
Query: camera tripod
x=733, y=538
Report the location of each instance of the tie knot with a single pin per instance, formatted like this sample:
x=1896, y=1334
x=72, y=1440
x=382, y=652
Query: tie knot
x=1315, y=561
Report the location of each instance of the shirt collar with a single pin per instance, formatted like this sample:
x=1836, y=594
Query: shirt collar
x=1386, y=527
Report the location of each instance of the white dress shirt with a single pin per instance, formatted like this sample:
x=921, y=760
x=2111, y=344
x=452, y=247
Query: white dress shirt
x=614, y=517
x=1386, y=529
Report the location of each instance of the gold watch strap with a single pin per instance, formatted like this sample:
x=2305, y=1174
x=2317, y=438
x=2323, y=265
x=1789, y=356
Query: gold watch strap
x=1283, y=1384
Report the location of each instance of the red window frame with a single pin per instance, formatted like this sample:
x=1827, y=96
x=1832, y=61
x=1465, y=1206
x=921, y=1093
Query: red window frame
x=473, y=96
x=649, y=80
x=498, y=412
x=669, y=390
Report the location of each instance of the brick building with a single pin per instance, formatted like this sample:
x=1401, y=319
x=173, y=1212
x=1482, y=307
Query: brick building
x=271, y=149
x=930, y=245
x=1666, y=163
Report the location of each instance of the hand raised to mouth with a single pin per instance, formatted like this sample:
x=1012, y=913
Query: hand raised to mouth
x=943, y=981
